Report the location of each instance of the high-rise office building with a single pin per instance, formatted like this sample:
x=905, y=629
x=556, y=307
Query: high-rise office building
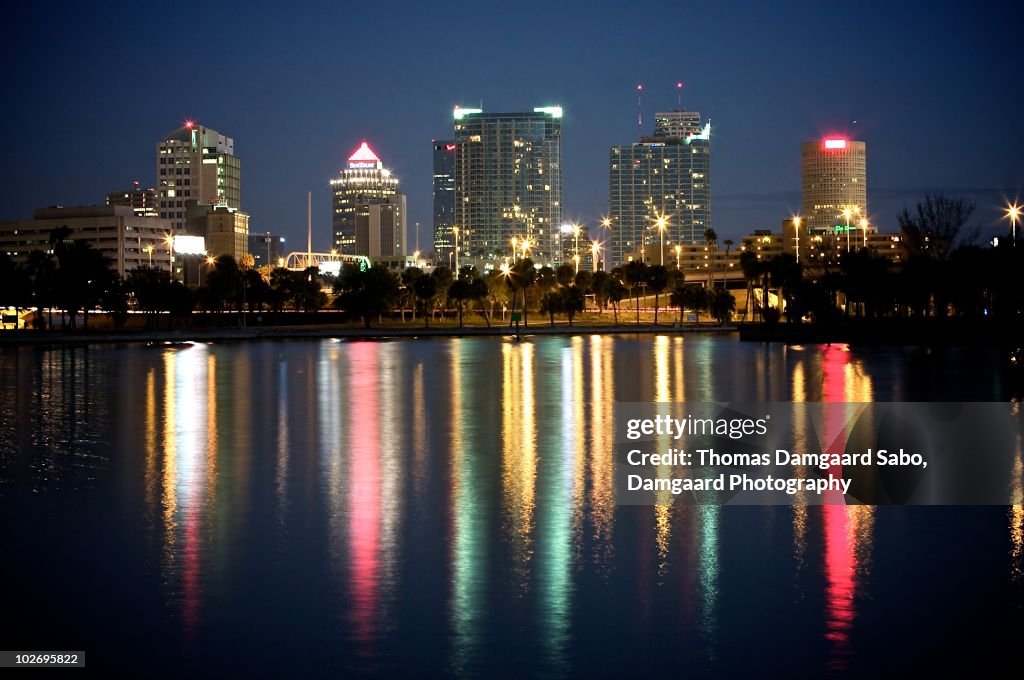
x=444, y=199
x=834, y=181
x=199, y=164
x=508, y=183
x=143, y=201
x=363, y=181
x=381, y=228
x=662, y=182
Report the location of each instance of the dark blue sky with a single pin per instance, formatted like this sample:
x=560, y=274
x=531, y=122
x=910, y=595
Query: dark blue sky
x=935, y=89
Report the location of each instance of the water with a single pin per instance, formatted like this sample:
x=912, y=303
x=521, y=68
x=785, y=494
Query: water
x=446, y=506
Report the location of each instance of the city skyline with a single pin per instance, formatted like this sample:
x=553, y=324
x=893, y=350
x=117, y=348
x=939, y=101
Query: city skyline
x=764, y=106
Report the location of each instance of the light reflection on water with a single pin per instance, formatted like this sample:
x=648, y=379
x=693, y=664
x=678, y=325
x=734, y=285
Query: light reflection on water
x=362, y=489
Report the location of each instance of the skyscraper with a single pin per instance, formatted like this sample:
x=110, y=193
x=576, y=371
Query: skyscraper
x=444, y=199
x=508, y=182
x=834, y=180
x=664, y=179
x=198, y=164
x=362, y=182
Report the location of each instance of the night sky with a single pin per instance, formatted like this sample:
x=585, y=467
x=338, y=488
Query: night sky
x=933, y=88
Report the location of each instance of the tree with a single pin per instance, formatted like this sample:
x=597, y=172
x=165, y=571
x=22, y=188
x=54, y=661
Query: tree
x=615, y=290
x=565, y=274
x=937, y=226
x=478, y=292
x=460, y=291
x=634, y=275
x=711, y=241
x=497, y=290
x=407, y=294
x=42, y=273
x=721, y=304
x=573, y=301
x=584, y=281
x=786, y=274
x=443, y=279
x=15, y=284
x=599, y=286
x=524, y=275
x=657, y=279
x=223, y=283
x=692, y=296
x=425, y=288
x=365, y=294
x=82, y=275
x=551, y=303
x=751, y=267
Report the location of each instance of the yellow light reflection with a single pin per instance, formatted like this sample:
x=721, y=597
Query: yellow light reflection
x=519, y=454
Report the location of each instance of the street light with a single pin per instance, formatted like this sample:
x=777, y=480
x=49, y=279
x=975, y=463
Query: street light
x=679, y=254
x=662, y=223
x=149, y=249
x=796, y=231
x=1013, y=214
x=847, y=213
x=576, y=245
x=169, y=240
x=595, y=250
x=455, y=231
x=864, y=226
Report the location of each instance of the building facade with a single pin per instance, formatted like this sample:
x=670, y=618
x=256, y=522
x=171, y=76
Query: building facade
x=266, y=248
x=661, y=183
x=362, y=182
x=834, y=174
x=199, y=164
x=444, y=199
x=143, y=201
x=381, y=228
x=508, y=183
x=225, y=229
x=124, y=238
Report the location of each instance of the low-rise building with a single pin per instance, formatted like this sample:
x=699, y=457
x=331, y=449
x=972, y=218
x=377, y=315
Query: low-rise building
x=123, y=237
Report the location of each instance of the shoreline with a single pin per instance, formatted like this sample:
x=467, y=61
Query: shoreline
x=37, y=338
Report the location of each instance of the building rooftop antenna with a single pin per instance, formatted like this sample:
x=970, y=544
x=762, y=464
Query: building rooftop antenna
x=679, y=95
x=639, y=109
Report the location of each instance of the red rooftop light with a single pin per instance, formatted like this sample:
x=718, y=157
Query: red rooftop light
x=364, y=154
x=835, y=143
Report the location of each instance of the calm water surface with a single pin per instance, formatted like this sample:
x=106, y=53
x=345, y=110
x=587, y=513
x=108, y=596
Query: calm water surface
x=447, y=506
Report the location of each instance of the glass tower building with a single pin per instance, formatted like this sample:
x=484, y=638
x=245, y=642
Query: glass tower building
x=834, y=173
x=363, y=181
x=444, y=199
x=665, y=175
x=508, y=183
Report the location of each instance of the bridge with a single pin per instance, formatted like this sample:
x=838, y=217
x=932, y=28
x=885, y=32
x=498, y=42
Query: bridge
x=327, y=263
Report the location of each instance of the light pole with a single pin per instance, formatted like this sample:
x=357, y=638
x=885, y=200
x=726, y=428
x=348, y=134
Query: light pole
x=576, y=245
x=1013, y=214
x=455, y=231
x=679, y=255
x=149, y=250
x=796, y=232
x=513, y=249
x=847, y=213
x=169, y=240
x=864, y=227
x=661, y=222
x=595, y=251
